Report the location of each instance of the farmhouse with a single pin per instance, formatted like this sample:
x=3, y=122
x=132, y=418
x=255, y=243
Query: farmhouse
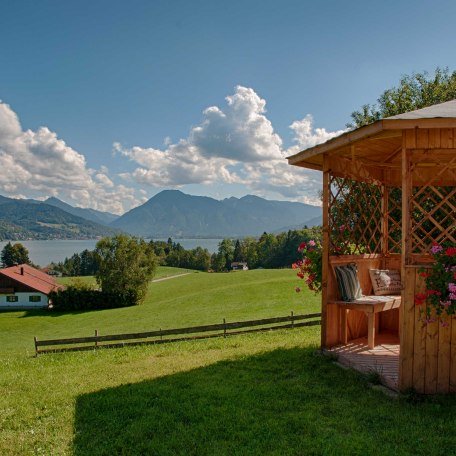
x=389, y=197
x=239, y=266
x=24, y=287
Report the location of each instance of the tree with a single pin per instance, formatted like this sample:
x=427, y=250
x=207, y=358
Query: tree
x=126, y=265
x=415, y=91
x=14, y=254
x=237, y=255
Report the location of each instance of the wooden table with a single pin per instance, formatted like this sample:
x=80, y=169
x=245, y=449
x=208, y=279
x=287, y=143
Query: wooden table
x=370, y=305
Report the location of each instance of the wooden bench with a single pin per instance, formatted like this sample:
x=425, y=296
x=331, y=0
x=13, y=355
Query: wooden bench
x=370, y=305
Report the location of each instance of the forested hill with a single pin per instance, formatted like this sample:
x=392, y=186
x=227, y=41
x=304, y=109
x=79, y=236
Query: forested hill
x=176, y=214
x=28, y=219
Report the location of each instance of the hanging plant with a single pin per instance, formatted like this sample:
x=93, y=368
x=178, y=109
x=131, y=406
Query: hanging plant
x=309, y=267
x=440, y=293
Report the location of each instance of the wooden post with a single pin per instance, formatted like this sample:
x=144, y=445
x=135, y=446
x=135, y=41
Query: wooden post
x=224, y=328
x=407, y=309
x=371, y=330
x=292, y=320
x=325, y=246
x=36, y=346
x=96, y=335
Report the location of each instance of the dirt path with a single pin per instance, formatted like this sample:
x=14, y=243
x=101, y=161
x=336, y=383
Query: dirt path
x=171, y=277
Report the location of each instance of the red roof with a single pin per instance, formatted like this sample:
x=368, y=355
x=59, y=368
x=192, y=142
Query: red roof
x=32, y=278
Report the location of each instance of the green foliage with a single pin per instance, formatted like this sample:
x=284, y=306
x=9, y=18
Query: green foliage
x=14, y=254
x=126, y=265
x=415, y=91
x=269, y=251
x=80, y=264
x=84, y=297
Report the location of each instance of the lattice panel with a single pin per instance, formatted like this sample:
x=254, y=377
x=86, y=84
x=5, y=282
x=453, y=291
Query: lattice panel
x=432, y=206
x=355, y=214
x=394, y=219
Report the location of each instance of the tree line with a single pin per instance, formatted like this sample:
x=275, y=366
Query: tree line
x=267, y=251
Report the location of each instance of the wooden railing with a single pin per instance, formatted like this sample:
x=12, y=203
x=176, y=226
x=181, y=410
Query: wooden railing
x=163, y=335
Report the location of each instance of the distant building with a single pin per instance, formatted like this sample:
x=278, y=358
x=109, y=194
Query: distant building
x=24, y=287
x=239, y=266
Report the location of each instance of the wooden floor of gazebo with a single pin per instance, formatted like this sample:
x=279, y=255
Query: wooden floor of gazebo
x=382, y=359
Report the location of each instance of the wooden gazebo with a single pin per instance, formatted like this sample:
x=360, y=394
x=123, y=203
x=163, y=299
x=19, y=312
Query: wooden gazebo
x=389, y=193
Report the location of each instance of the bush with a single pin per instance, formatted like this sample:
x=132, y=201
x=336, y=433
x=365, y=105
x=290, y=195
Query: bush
x=86, y=298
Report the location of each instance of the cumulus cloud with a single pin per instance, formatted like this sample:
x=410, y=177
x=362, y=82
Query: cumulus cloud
x=37, y=163
x=236, y=144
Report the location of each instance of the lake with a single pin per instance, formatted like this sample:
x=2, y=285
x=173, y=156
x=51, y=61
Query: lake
x=44, y=252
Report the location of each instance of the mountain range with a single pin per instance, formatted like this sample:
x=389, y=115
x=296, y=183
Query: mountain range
x=170, y=213
x=176, y=214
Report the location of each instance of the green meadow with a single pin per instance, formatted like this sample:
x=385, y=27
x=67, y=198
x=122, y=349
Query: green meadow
x=263, y=393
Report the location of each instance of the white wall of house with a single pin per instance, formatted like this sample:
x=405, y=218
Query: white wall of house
x=23, y=301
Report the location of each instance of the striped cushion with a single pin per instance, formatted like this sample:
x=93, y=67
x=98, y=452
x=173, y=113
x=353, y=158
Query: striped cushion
x=347, y=279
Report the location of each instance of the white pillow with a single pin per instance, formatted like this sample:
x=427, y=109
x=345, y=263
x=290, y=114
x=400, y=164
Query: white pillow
x=386, y=281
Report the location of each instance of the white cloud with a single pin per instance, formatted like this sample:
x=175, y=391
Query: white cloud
x=38, y=163
x=234, y=145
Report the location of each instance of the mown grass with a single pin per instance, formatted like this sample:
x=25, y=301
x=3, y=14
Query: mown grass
x=255, y=394
x=193, y=299
x=266, y=393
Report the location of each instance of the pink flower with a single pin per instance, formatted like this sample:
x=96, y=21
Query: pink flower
x=452, y=287
x=436, y=248
x=341, y=228
x=312, y=243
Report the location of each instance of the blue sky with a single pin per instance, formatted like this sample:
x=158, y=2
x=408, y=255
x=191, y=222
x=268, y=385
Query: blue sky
x=127, y=86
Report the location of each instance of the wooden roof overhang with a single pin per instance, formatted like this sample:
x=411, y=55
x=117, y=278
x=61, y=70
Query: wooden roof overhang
x=373, y=153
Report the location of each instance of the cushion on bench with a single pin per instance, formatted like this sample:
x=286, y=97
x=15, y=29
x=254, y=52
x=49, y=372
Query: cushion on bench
x=385, y=281
x=348, y=282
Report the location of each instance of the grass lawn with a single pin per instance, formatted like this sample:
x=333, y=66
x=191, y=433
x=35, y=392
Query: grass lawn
x=255, y=394
x=265, y=393
x=197, y=298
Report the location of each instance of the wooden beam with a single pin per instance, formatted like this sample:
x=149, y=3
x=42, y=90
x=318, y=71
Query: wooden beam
x=325, y=258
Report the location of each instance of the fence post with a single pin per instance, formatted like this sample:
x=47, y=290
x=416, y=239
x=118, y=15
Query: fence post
x=96, y=335
x=36, y=347
x=292, y=320
x=224, y=328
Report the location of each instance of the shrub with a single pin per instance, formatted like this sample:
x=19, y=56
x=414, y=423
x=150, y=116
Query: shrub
x=75, y=297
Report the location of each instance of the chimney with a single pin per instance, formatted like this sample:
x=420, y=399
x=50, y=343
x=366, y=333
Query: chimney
x=22, y=270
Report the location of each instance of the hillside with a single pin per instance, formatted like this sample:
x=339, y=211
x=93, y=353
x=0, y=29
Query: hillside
x=27, y=219
x=176, y=214
x=102, y=218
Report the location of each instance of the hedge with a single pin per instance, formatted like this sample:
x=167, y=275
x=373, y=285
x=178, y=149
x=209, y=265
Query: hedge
x=74, y=298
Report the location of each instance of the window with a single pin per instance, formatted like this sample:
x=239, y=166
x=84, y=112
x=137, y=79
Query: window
x=34, y=298
x=12, y=299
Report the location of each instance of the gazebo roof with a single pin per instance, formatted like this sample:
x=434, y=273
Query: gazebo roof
x=380, y=141
x=438, y=111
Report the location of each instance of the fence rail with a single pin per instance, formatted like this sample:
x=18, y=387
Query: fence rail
x=162, y=335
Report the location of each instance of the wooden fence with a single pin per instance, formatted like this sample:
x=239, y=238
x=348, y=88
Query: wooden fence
x=163, y=335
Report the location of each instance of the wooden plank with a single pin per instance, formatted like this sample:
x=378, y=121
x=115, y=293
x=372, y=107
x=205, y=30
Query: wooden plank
x=419, y=343
x=434, y=138
x=453, y=356
x=343, y=325
x=410, y=139
x=422, y=138
x=432, y=352
x=444, y=358
x=325, y=254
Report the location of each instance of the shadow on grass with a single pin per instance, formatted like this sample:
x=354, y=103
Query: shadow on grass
x=282, y=402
